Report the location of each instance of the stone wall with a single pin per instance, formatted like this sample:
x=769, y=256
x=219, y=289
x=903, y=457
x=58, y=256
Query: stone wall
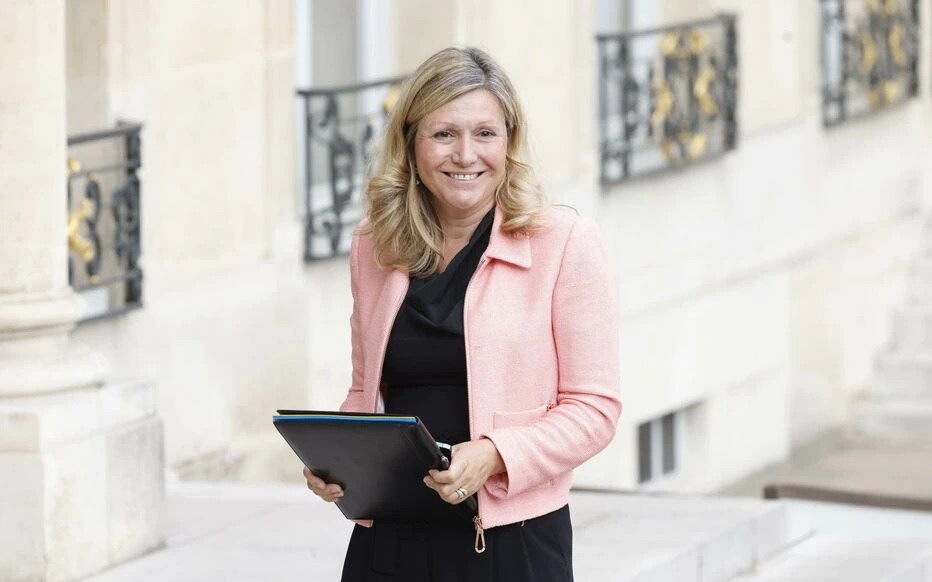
x=754, y=289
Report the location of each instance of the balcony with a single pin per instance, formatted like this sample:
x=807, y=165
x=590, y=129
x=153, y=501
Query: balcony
x=667, y=97
x=104, y=219
x=870, y=56
x=342, y=125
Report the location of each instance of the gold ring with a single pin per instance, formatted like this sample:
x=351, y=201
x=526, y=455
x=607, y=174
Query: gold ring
x=462, y=493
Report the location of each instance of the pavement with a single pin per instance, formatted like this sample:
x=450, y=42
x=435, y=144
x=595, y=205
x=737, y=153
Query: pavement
x=252, y=533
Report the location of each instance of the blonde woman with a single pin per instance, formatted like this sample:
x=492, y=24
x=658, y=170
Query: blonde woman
x=489, y=315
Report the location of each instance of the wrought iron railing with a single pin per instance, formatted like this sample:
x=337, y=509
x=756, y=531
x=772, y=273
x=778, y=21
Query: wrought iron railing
x=342, y=124
x=870, y=56
x=667, y=97
x=104, y=219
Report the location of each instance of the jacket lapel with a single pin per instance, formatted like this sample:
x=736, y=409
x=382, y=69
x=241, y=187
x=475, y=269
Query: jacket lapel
x=383, y=318
x=506, y=246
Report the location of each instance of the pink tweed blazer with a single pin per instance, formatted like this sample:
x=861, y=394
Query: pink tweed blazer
x=541, y=351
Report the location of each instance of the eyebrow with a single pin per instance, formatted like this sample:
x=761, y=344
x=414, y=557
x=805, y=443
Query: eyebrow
x=453, y=124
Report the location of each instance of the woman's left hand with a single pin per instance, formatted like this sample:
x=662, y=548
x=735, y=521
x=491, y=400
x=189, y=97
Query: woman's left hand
x=473, y=462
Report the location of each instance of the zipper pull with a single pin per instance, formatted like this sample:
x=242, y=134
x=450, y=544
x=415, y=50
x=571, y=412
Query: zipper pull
x=480, y=534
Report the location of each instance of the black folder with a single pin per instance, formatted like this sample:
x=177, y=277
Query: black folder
x=379, y=460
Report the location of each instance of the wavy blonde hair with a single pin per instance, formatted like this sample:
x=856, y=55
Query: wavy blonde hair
x=405, y=230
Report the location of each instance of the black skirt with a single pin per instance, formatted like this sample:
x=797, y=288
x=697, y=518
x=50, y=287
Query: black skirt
x=538, y=550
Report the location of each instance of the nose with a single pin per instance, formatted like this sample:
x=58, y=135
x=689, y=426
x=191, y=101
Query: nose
x=464, y=154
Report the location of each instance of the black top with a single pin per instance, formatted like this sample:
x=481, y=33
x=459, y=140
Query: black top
x=425, y=359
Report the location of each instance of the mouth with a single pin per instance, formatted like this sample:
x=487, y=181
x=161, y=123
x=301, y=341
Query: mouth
x=464, y=177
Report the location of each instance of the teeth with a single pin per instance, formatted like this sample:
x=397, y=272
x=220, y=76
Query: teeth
x=464, y=176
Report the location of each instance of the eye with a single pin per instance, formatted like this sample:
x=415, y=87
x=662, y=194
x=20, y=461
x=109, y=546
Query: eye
x=442, y=134
x=487, y=133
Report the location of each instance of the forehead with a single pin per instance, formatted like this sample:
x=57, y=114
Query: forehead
x=477, y=106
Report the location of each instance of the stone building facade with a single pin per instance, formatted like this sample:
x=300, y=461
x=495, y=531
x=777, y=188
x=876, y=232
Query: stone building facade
x=756, y=286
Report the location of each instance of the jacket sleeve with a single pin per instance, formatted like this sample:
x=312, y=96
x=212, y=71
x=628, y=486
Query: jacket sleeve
x=585, y=333
x=355, y=399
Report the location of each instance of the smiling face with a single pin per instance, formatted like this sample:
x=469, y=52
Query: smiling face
x=460, y=151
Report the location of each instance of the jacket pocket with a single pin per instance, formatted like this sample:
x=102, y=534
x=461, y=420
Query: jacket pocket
x=520, y=417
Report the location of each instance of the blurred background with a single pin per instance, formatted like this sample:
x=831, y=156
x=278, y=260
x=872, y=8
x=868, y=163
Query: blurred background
x=179, y=182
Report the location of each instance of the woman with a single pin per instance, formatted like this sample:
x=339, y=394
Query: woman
x=488, y=314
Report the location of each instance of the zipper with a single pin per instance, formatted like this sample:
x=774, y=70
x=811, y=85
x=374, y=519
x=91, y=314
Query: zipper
x=480, y=535
x=381, y=360
x=477, y=519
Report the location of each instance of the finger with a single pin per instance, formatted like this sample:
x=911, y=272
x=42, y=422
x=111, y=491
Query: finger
x=313, y=479
x=443, y=477
x=316, y=485
x=331, y=497
x=453, y=498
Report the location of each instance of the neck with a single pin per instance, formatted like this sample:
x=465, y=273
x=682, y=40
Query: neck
x=460, y=227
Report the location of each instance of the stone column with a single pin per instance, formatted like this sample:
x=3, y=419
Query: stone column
x=80, y=458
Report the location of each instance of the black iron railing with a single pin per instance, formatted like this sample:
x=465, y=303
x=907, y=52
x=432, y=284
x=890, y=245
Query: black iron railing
x=104, y=219
x=870, y=56
x=342, y=124
x=667, y=97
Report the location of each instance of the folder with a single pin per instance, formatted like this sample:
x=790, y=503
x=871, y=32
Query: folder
x=379, y=460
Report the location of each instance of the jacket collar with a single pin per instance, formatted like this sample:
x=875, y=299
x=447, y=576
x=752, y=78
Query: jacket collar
x=506, y=246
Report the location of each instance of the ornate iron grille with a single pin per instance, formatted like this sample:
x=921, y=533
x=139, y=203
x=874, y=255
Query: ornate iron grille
x=667, y=97
x=870, y=56
x=104, y=219
x=342, y=124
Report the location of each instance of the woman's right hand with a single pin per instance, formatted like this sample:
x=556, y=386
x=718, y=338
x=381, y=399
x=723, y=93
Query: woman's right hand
x=326, y=491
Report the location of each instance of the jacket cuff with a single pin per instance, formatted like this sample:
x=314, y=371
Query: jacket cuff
x=516, y=479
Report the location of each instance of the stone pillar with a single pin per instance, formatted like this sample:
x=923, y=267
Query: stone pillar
x=80, y=459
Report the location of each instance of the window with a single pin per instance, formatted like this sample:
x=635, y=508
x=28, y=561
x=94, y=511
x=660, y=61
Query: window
x=658, y=447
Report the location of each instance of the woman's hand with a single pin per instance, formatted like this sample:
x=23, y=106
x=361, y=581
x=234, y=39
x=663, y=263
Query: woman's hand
x=473, y=462
x=326, y=491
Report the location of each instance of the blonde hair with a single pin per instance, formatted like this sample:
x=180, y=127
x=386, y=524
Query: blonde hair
x=405, y=230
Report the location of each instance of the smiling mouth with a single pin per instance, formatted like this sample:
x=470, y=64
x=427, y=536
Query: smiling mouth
x=464, y=177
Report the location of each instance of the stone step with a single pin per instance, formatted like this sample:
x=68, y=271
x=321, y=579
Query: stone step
x=902, y=375
x=894, y=418
x=912, y=330
x=826, y=558
x=640, y=538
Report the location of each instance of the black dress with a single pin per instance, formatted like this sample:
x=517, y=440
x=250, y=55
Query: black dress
x=425, y=374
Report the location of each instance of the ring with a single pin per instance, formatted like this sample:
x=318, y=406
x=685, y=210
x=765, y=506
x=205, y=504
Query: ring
x=462, y=493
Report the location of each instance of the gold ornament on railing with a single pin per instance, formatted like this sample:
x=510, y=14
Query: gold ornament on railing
x=701, y=91
x=895, y=38
x=81, y=245
x=684, y=46
x=664, y=105
x=882, y=91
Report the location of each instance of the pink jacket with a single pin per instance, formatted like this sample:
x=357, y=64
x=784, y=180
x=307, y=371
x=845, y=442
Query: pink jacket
x=542, y=356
